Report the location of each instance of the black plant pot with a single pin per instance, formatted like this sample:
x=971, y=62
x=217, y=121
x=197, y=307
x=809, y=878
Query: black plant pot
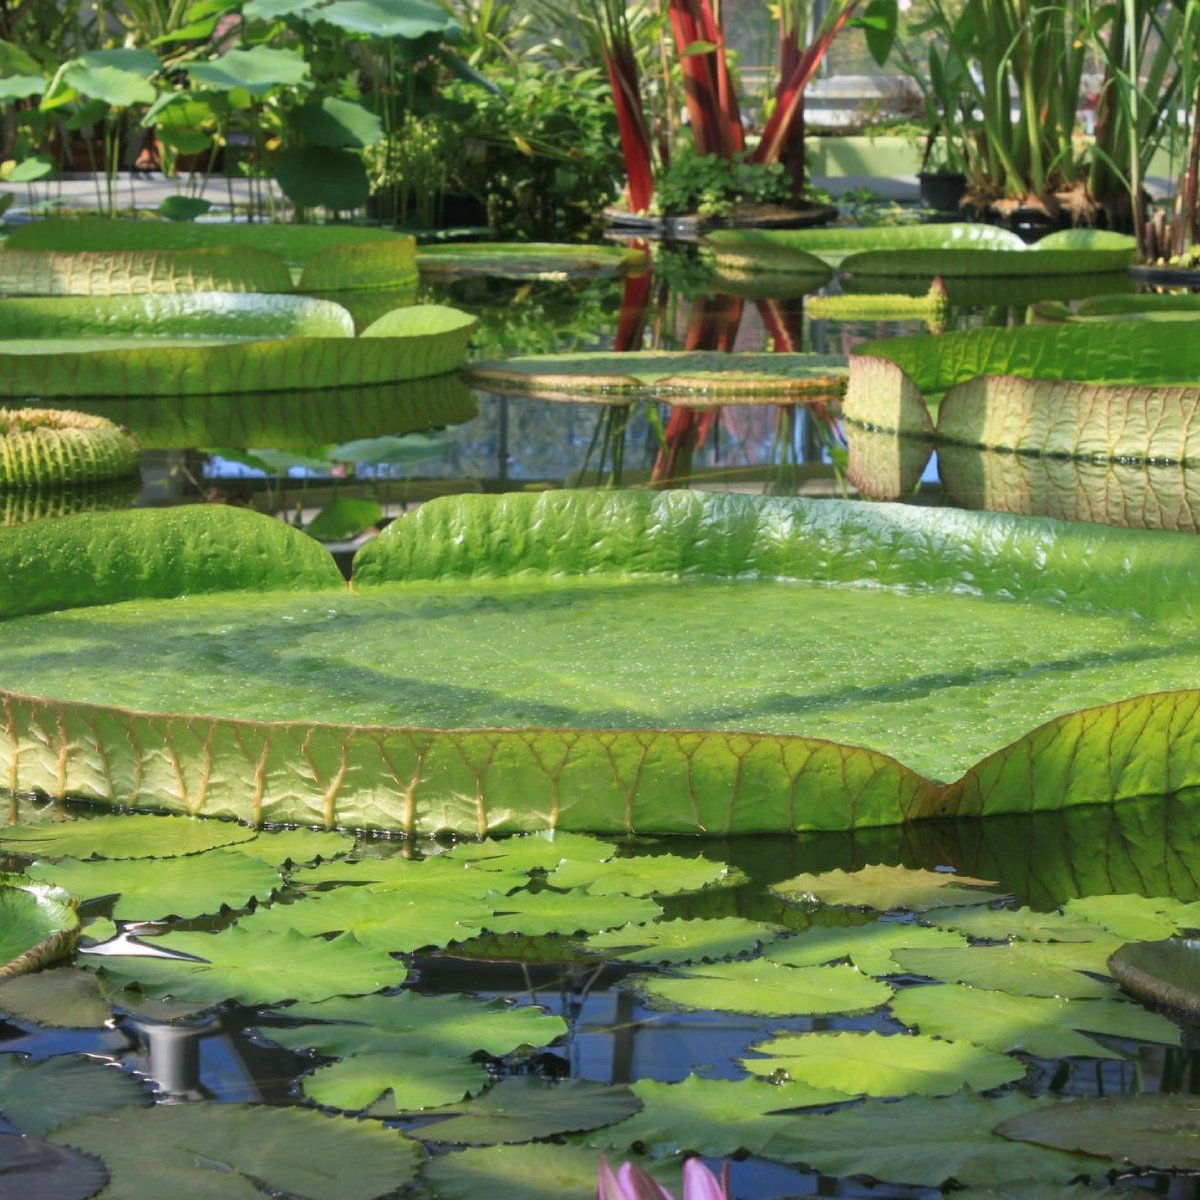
x=942, y=190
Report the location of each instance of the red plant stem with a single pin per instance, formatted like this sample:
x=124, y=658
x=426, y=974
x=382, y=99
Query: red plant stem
x=708, y=89
x=631, y=124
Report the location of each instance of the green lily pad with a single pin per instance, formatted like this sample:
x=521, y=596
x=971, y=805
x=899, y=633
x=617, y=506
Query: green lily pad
x=44, y=1171
x=523, y=1108
x=712, y=1117
x=1045, y=1026
x=1023, y=924
x=383, y=919
x=192, y=886
x=871, y=948
x=442, y=877
x=129, y=836
x=39, y=1097
x=296, y=846
x=876, y=1064
x=926, y=1143
x=238, y=964
x=765, y=989
x=228, y=1151
x=694, y=374
x=643, y=875
x=542, y=851
x=1160, y=1131
x=63, y=997
x=884, y=888
x=37, y=925
x=1165, y=973
x=535, y=913
x=682, y=941
x=543, y=1171
x=1136, y=918
x=1022, y=968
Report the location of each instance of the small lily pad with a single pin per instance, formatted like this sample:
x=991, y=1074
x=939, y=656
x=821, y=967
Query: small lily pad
x=1136, y=918
x=296, y=846
x=765, y=989
x=645, y=875
x=871, y=948
x=238, y=964
x=682, y=941
x=567, y=912
x=1022, y=968
x=522, y=1108
x=149, y=891
x=531, y=851
x=38, y=1097
x=1023, y=924
x=38, y=1170
x=133, y=836
x=885, y=888
x=876, y=1064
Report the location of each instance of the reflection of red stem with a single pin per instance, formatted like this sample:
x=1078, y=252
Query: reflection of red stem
x=712, y=325
x=784, y=323
x=635, y=306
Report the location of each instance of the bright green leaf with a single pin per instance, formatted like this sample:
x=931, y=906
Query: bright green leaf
x=682, y=941
x=884, y=888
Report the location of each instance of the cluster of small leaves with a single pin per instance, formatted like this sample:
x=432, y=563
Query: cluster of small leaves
x=711, y=186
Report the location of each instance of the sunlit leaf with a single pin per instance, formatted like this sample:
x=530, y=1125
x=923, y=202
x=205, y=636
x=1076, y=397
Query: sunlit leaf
x=240, y=965
x=37, y=925
x=682, y=941
x=296, y=846
x=531, y=852
x=229, y=1151
x=566, y=912
x=38, y=1097
x=871, y=947
x=926, y=1142
x=765, y=988
x=1023, y=924
x=522, y=1108
x=1136, y=918
x=148, y=891
x=131, y=836
x=643, y=875
x=875, y=1064
x=1045, y=1026
x=712, y=1117
x=884, y=888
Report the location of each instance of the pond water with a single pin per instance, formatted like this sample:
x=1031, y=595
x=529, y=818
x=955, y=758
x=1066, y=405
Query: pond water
x=447, y=922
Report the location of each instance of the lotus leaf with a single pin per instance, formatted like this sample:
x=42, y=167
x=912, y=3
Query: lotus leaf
x=1023, y=924
x=692, y=373
x=37, y=925
x=765, y=989
x=230, y=1151
x=38, y=1097
x=128, y=836
x=525, y=260
x=1165, y=973
x=536, y=1172
x=1136, y=918
x=1160, y=1131
x=98, y=346
x=535, y=913
x=926, y=1142
x=871, y=948
x=47, y=448
x=323, y=176
x=193, y=885
x=1020, y=968
x=682, y=941
x=522, y=1108
x=644, y=875
x=712, y=1117
x=385, y=920
x=294, y=243
x=44, y=1171
x=257, y=70
x=876, y=1064
x=882, y=887
x=238, y=964
x=1047, y=1027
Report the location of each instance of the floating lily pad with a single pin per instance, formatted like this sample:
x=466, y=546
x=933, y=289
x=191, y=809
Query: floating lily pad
x=437, y=878
x=1136, y=918
x=541, y=851
x=712, y=1117
x=1021, y=968
x=643, y=875
x=296, y=846
x=65, y=997
x=764, y=989
x=694, y=374
x=44, y=1171
x=228, y=1151
x=522, y=1108
x=239, y=965
x=536, y=913
x=55, y=448
x=1047, y=1027
x=37, y=925
x=38, y=1097
x=871, y=948
x=682, y=941
x=147, y=891
x=883, y=887
x=1165, y=973
x=1023, y=924
x=525, y=260
x=129, y=836
x=926, y=1143
x=1160, y=1131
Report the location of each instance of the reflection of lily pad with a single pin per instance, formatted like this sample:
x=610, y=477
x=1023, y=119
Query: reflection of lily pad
x=44, y=1171
x=659, y=373
x=525, y=260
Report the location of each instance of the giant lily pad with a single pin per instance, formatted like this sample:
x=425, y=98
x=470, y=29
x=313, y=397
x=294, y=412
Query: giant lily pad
x=698, y=375
x=1165, y=972
x=203, y=343
x=60, y=448
x=1087, y=391
x=37, y=925
x=584, y=743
